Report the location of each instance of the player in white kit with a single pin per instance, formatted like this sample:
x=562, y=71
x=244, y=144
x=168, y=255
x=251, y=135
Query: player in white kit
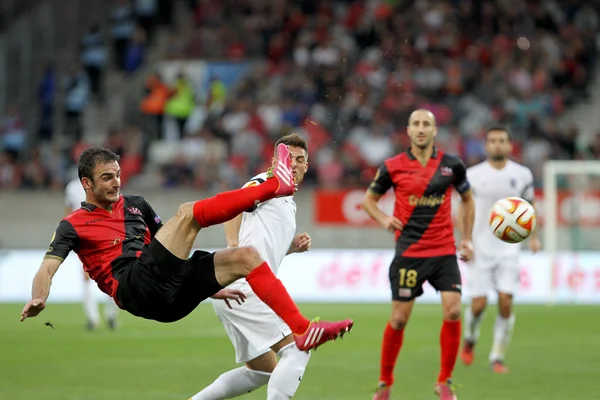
x=74, y=196
x=495, y=263
x=256, y=332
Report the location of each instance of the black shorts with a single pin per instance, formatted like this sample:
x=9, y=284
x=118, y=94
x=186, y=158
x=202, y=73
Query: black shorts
x=165, y=288
x=408, y=274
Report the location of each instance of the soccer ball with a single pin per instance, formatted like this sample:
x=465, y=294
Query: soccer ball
x=512, y=219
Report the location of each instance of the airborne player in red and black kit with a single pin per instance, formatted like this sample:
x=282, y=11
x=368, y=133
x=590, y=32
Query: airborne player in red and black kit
x=144, y=266
x=422, y=179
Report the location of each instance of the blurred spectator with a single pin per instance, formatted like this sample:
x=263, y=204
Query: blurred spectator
x=217, y=94
x=35, y=174
x=595, y=147
x=10, y=177
x=46, y=93
x=146, y=11
x=123, y=27
x=136, y=52
x=93, y=57
x=13, y=132
x=182, y=102
x=77, y=88
x=177, y=173
x=153, y=105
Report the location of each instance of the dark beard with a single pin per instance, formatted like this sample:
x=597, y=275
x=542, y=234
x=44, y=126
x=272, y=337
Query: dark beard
x=498, y=157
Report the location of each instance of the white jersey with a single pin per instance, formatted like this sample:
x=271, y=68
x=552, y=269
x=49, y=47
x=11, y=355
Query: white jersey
x=490, y=185
x=74, y=194
x=270, y=227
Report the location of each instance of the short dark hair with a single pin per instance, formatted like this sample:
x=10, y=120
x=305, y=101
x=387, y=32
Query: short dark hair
x=293, y=139
x=501, y=128
x=91, y=157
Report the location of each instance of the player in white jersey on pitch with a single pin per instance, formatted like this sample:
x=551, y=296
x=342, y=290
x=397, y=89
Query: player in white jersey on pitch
x=256, y=332
x=495, y=264
x=74, y=196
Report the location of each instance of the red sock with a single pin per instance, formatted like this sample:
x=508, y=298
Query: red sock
x=392, y=342
x=272, y=292
x=228, y=205
x=450, y=342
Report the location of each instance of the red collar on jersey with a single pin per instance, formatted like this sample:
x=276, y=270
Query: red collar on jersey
x=411, y=156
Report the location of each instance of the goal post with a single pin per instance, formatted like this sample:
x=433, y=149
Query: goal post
x=571, y=210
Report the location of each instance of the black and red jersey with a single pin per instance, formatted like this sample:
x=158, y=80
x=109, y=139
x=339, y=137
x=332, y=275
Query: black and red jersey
x=106, y=241
x=423, y=201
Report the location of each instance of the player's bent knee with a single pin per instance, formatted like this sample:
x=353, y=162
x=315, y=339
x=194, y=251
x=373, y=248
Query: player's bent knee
x=399, y=319
x=398, y=323
x=505, y=305
x=452, y=312
x=478, y=304
x=244, y=260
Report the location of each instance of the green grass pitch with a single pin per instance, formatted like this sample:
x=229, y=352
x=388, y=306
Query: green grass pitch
x=555, y=355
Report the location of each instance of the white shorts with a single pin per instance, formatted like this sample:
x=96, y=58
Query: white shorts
x=252, y=327
x=493, y=273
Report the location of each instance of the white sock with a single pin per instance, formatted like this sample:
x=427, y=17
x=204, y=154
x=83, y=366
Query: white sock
x=233, y=383
x=472, y=325
x=110, y=309
x=503, y=329
x=287, y=376
x=90, y=304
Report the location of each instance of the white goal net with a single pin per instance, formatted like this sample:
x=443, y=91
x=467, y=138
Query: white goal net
x=570, y=224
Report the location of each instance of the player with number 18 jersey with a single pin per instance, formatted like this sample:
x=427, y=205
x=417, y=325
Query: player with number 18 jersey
x=423, y=179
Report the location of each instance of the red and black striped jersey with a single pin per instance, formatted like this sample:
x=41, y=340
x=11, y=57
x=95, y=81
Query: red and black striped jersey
x=106, y=241
x=423, y=200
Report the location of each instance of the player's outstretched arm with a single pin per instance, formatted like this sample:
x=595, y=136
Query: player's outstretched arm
x=41, y=287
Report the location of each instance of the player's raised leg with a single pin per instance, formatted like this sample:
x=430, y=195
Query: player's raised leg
x=178, y=234
x=449, y=342
x=393, y=338
x=503, y=329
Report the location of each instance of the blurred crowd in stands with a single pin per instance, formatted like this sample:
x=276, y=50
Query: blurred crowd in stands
x=346, y=74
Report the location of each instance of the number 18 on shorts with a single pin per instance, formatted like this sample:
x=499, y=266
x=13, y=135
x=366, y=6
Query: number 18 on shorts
x=407, y=275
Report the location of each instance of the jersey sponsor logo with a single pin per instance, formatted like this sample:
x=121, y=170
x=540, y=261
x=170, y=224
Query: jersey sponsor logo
x=426, y=201
x=134, y=210
x=93, y=221
x=446, y=171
